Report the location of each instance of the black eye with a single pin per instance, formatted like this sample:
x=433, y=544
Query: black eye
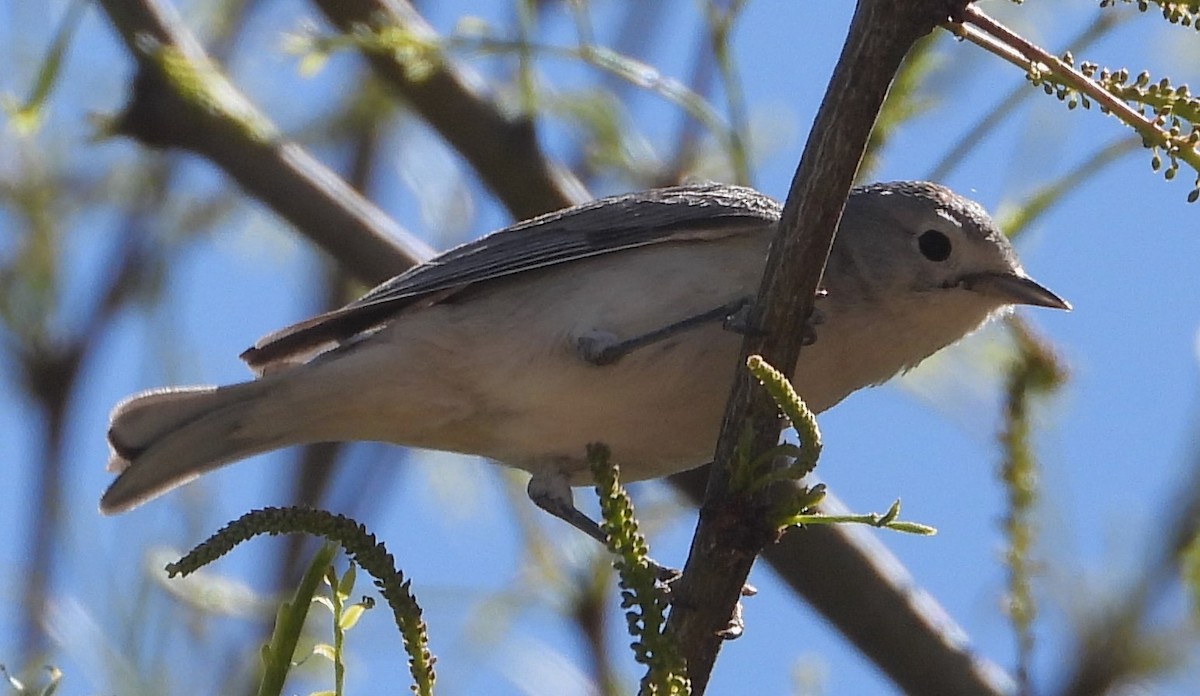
x=934, y=245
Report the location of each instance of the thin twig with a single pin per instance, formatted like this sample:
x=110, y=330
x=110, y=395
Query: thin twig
x=1103, y=24
x=1002, y=41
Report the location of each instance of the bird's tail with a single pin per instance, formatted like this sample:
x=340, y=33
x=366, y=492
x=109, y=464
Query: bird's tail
x=163, y=439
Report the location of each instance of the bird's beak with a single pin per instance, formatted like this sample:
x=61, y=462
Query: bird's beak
x=1015, y=288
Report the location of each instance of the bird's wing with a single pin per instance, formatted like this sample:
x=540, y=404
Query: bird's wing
x=599, y=227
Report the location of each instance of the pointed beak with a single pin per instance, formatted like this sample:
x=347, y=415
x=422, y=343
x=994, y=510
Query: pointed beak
x=1014, y=288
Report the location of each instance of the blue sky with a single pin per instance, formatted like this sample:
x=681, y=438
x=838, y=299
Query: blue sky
x=1115, y=444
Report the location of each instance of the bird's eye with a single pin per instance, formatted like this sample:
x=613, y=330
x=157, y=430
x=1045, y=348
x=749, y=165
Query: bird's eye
x=934, y=245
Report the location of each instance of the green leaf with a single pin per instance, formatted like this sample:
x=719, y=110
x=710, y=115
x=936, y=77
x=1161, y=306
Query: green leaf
x=312, y=63
x=12, y=680
x=351, y=616
x=55, y=677
x=28, y=116
x=912, y=528
x=326, y=651
x=346, y=585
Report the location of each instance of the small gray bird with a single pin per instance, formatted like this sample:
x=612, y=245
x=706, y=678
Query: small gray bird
x=606, y=322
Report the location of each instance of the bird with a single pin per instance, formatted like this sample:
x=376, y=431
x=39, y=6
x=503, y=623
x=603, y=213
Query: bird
x=612, y=321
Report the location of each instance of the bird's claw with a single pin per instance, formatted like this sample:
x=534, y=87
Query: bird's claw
x=666, y=578
x=738, y=320
x=598, y=347
x=809, y=335
x=736, y=626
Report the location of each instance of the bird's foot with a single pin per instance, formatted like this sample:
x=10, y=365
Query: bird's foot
x=666, y=578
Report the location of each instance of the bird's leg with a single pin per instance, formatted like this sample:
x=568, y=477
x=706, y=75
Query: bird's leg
x=552, y=493
x=604, y=348
x=738, y=321
x=810, y=327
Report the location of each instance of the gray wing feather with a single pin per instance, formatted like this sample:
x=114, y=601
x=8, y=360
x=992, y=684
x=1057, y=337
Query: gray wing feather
x=599, y=227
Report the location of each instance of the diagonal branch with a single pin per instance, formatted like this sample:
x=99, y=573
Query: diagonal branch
x=1113, y=97
x=181, y=99
x=728, y=539
x=503, y=150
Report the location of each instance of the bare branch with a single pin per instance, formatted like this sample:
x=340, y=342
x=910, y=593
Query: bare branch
x=180, y=99
x=503, y=150
x=732, y=529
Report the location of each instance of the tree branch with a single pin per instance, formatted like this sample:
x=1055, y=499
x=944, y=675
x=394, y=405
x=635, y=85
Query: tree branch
x=1112, y=96
x=180, y=99
x=733, y=529
x=502, y=150
x=849, y=577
